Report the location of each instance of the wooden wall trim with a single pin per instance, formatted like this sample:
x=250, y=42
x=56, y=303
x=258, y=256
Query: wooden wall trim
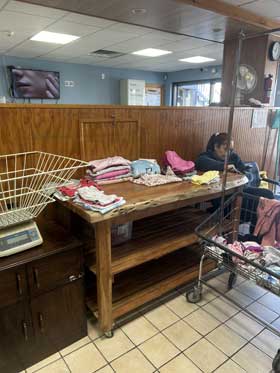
x=145, y=132
x=233, y=12
x=79, y=106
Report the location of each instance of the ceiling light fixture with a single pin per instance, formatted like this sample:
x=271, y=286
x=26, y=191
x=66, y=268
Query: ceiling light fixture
x=54, y=37
x=197, y=59
x=151, y=52
x=139, y=11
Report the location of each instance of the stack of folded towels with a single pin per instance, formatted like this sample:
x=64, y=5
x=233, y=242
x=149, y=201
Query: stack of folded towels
x=109, y=170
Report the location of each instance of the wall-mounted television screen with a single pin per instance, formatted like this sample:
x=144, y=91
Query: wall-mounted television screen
x=27, y=83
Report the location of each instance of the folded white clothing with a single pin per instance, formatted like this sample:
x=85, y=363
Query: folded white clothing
x=92, y=194
x=101, y=209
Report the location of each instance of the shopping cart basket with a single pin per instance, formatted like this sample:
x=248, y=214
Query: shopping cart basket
x=236, y=223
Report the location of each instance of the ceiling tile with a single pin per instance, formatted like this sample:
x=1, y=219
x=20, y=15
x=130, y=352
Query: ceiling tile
x=72, y=28
x=87, y=20
x=88, y=60
x=267, y=8
x=80, y=47
x=3, y=3
x=123, y=27
x=114, y=36
x=20, y=22
x=17, y=6
x=185, y=44
x=32, y=49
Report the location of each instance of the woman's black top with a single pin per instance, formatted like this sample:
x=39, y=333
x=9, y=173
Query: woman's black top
x=208, y=161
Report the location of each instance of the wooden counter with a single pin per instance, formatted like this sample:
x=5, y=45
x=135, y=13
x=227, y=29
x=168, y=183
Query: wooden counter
x=163, y=252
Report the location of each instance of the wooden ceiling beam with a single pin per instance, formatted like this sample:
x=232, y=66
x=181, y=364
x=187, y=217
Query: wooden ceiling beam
x=234, y=12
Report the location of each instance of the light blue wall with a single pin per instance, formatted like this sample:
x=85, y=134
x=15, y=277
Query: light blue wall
x=188, y=76
x=89, y=87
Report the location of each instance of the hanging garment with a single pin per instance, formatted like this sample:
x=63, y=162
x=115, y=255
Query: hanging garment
x=178, y=165
x=268, y=224
x=206, y=178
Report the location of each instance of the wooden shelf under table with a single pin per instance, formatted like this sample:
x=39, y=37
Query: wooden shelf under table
x=137, y=286
x=153, y=238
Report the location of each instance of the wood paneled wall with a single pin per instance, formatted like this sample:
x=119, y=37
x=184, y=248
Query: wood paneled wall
x=129, y=131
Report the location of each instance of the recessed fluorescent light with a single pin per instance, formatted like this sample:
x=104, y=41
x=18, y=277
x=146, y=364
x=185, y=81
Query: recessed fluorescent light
x=197, y=59
x=54, y=37
x=151, y=52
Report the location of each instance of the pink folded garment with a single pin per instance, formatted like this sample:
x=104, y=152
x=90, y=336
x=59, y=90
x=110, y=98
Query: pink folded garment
x=178, y=164
x=101, y=164
x=238, y=249
x=110, y=175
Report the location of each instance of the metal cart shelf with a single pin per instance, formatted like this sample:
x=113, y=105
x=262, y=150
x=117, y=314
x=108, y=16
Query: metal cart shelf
x=238, y=209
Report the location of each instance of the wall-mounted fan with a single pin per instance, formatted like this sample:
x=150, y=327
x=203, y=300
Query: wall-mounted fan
x=246, y=82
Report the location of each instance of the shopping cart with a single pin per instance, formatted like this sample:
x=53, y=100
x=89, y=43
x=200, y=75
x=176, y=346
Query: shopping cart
x=236, y=223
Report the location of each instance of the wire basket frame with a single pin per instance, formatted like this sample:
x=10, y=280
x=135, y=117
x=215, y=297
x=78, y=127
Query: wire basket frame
x=239, y=209
x=27, y=182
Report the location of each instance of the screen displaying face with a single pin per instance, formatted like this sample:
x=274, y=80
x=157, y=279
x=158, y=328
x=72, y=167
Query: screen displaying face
x=35, y=84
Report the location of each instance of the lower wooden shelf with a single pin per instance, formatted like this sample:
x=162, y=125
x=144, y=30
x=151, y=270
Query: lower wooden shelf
x=153, y=238
x=137, y=286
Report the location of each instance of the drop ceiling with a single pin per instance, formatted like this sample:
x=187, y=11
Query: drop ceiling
x=95, y=33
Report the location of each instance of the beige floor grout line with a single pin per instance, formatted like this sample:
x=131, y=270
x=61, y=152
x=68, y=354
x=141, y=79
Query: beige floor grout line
x=162, y=301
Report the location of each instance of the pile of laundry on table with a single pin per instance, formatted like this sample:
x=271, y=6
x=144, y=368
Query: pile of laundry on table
x=88, y=194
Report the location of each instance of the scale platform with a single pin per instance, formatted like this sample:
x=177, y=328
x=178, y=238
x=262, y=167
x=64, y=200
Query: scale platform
x=18, y=238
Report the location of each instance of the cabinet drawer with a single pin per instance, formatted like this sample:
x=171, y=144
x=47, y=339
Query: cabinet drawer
x=51, y=272
x=12, y=286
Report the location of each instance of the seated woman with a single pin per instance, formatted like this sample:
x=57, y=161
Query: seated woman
x=214, y=157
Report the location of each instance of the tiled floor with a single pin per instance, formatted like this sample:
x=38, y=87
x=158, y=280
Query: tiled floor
x=179, y=337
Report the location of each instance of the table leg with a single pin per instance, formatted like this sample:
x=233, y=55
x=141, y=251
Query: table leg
x=104, y=275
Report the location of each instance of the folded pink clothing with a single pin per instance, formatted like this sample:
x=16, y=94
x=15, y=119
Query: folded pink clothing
x=109, y=169
x=114, y=181
x=178, y=164
x=101, y=164
x=112, y=174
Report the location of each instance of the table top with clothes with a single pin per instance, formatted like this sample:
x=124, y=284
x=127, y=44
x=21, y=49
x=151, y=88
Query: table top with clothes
x=141, y=198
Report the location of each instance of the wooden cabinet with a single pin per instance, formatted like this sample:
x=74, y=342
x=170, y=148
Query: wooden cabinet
x=42, y=308
x=12, y=286
x=15, y=324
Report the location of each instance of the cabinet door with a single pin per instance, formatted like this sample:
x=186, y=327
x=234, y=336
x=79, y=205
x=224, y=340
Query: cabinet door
x=59, y=317
x=12, y=286
x=16, y=335
x=54, y=271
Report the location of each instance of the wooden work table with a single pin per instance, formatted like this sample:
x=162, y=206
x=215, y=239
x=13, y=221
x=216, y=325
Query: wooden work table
x=163, y=252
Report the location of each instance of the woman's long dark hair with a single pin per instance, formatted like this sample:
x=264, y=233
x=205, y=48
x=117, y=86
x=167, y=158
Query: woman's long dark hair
x=217, y=139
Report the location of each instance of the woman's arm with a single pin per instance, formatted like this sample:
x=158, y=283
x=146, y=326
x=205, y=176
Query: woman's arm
x=237, y=161
x=206, y=163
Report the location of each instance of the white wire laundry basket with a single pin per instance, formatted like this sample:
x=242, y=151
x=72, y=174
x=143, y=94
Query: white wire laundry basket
x=27, y=182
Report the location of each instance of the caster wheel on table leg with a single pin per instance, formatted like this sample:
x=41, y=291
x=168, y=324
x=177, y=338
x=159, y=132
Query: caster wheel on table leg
x=232, y=280
x=194, y=295
x=276, y=363
x=109, y=334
